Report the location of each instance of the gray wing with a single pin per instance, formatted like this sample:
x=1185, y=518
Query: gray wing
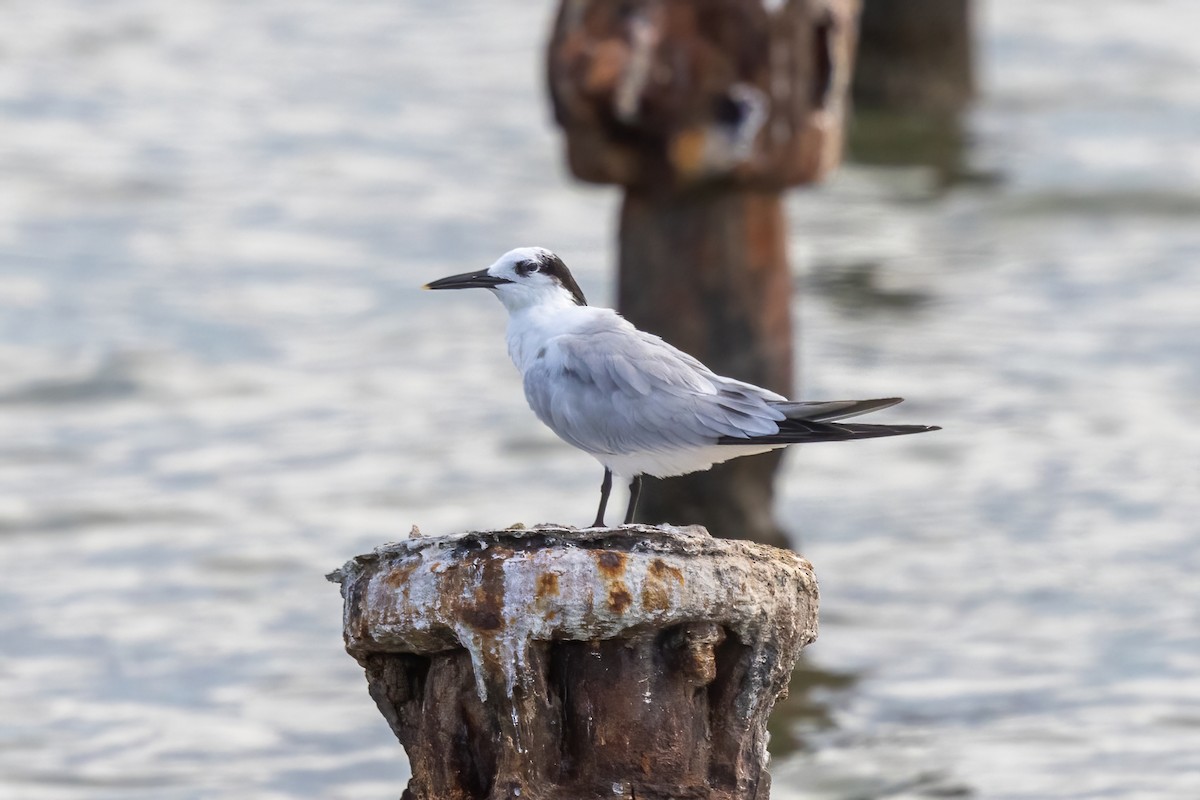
x=619, y=390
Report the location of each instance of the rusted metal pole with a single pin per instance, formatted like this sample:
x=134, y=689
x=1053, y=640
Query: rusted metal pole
x=705, y=111
x=561, y=664
x=728, y=305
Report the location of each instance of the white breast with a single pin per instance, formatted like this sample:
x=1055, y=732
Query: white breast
x=531, y=330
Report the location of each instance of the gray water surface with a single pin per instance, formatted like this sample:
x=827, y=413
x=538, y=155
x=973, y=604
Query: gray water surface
x=218, y=381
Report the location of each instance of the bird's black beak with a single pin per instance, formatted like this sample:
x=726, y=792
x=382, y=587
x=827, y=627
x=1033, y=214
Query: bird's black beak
x=468, y=280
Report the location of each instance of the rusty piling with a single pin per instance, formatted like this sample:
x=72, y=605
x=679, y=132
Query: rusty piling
x=705, y=111
x=562, y=664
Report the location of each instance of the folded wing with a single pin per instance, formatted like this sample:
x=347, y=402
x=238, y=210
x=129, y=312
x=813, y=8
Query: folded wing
x=617, y=390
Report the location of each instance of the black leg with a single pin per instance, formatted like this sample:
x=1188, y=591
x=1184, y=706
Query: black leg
x=635, y=489
x=605, y=488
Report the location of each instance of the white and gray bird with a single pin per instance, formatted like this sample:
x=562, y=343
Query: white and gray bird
x=638, y=405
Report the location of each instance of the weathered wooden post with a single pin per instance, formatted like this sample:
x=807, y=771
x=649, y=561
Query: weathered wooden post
x=705, y=111
x=560, y=664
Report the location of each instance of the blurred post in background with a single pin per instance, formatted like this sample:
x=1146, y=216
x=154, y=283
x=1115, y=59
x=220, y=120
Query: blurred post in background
x=915, y=54
x=705, y=113
x=913, y=78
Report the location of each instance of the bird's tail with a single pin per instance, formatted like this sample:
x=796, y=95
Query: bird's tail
x=813, y=422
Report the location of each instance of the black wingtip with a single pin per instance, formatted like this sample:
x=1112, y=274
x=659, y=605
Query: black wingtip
x=795, y=431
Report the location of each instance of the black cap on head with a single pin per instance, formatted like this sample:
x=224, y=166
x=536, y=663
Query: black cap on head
x=548, y=263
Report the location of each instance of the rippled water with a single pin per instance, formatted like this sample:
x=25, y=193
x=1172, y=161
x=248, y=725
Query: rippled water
x=217, y=382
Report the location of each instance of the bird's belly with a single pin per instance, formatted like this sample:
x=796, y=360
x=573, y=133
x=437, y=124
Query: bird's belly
x=669, y=463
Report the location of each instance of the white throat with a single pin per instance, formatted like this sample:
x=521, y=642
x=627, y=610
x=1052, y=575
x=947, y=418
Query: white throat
x=531, y=326
x=523, y=297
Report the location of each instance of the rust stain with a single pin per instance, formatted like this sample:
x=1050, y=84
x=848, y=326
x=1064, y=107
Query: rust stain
x=483, y=619
x=619, y=598
x=686, y=151
x=609, y=58
x=611, y=563
x=399, y=575
x=485, y=612
x=654, y=596
x=661, y=569
x=547, y=585
x=397, y=578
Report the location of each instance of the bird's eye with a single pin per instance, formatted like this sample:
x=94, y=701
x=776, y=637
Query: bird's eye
x=526, y=267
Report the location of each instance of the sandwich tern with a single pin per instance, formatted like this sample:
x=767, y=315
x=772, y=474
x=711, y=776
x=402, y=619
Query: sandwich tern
x=636, y=404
